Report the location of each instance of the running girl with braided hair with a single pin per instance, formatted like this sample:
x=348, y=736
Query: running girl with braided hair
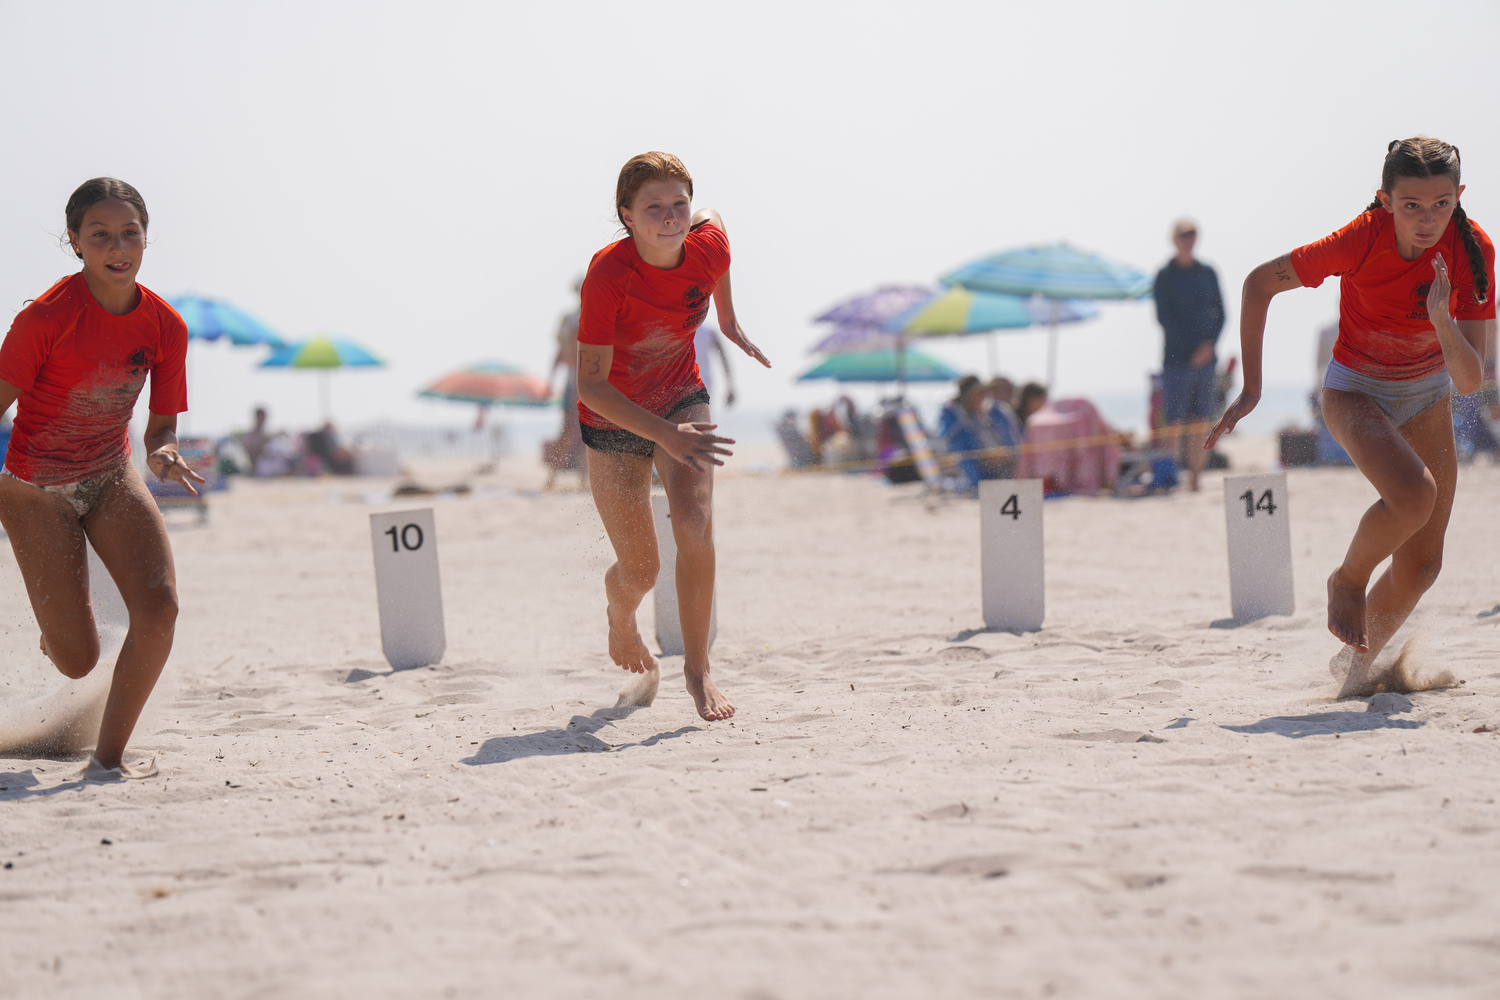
x=77, y=358
x=641, y=402
x=1415, y=299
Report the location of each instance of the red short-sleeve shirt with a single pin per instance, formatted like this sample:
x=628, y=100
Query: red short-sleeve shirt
x=649, y=315
x=1384, y=329
x=80, y=370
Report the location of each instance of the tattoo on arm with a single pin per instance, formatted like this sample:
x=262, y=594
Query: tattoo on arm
x=592, y=361
x=1281, y=266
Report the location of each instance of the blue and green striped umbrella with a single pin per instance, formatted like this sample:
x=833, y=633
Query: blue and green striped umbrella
x=323, y=354
x=210, y=319
x=1054, y=271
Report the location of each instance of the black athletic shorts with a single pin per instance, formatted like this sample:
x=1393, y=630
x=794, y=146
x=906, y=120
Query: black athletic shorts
x=622, y=442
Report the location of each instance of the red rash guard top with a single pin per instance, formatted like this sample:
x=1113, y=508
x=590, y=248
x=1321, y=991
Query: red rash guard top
x=649, y=316
x=1384, y=329
x=80, y=370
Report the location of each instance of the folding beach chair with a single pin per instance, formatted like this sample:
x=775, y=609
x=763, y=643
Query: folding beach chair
x=199, y=455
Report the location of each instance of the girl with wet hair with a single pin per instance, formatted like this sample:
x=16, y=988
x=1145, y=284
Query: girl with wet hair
x=642, y=403
x=1415, y=299
x=75, y=360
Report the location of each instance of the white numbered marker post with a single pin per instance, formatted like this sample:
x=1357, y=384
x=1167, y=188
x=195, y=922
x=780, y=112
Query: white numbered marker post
x=1260, y=546
x=1010, y=533
x=408, y=588
x=668, y=616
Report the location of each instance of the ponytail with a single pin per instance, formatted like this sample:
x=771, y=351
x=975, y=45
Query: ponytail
x=1476, y=256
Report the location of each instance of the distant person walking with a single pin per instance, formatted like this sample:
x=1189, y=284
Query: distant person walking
x=707, y=344
x=77, y=358
x=642, y=402
x=1191, y=313
x=567, y=451
x=1416, y=296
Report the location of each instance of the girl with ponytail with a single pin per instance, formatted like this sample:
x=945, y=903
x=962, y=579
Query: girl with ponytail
x=1415, y=300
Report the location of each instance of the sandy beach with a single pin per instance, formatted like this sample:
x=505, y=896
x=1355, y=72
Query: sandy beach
x=1141, y=800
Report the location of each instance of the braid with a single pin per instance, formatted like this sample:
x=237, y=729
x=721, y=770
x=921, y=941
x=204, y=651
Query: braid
x=1476, y=257
x=1372, y=206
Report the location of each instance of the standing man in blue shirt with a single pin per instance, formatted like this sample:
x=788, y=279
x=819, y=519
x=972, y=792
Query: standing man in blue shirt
x=1191, y=313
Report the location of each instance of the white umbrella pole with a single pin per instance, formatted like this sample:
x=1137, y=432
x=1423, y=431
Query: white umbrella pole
x=323, y=403
x=1052, y=346
x=989, y=340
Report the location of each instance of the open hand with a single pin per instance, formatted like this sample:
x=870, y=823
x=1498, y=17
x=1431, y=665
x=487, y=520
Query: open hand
x=1233, y=415
x=166, y=465
x=736, y=336
x=1439, y=291
x=695, y=446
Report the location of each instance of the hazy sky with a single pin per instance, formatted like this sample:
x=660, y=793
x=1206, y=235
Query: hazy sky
x=428, y=179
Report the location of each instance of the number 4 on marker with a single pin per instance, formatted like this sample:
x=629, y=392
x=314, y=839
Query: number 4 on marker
x=1266, y=502
x=1012, y=507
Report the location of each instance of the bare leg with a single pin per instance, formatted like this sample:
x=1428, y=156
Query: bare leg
x=49, y=543
x=126, y=530
x=1415, y=472
x=621, y=485
x=690, y=496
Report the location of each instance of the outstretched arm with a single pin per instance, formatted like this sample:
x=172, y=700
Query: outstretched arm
x=1261, y=285
x=690, y=444
x=728, y=372
x=161, y=452
x=724, y=298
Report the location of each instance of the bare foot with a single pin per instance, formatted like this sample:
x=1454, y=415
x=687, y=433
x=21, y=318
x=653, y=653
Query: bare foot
x=711, y=702
x=627, y=648
x=640, y=692
x=95, y=771
x=1346, y=612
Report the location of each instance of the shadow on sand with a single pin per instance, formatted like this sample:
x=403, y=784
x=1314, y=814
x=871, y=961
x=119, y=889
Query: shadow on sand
x=577, y=737
x=1296, y=727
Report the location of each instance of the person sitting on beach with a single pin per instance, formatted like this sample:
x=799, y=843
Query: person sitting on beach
x=1001, y=407
x=1033, y=397
x=1415, y=296
x=642, y=402
x=76, y=359
x=967, y=429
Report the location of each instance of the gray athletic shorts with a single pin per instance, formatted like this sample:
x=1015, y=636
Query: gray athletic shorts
x=1400, y=401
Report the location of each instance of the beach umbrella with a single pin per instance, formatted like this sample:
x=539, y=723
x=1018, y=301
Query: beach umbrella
x=859, y=318
x=958, y=312
x=1055, y=272
x=323, y=354
x=490, y=383
x=874, y=308
x=884, y=365
x=855, y=337
x=210, y=319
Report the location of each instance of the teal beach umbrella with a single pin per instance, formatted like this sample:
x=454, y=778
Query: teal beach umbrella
x=210, y=319
x=1055, y=272
x=880, y=366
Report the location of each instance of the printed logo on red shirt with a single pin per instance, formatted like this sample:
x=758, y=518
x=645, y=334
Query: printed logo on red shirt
x=1419, y=311
x=696, y=299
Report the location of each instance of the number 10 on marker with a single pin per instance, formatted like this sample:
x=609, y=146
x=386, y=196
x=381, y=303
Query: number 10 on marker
x=408, y=588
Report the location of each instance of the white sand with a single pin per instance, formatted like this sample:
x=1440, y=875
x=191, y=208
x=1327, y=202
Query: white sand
x=1130, y=803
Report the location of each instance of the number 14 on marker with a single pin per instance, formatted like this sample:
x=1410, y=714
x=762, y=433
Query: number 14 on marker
x=1267, y=502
